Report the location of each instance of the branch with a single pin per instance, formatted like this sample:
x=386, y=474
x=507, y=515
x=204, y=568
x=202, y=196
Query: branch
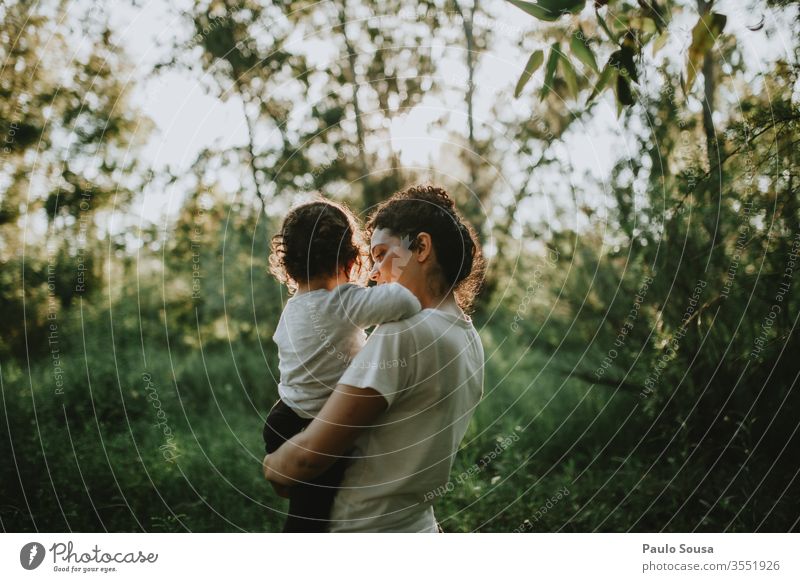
x=724, y=159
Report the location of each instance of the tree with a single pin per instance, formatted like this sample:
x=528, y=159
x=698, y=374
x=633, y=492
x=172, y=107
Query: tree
x=64, y=164
x=688, y=303
x=314, y=125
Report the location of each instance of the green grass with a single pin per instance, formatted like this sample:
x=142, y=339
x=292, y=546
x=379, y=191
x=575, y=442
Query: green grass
x=90, y=459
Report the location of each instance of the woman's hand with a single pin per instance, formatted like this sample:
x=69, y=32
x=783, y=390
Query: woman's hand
x=309, y=453
x=280, y=490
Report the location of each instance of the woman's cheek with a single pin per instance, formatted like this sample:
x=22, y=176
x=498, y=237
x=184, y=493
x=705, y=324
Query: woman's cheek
x=386, y=271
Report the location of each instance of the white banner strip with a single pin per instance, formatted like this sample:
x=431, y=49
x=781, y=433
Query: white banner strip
x=410, y=558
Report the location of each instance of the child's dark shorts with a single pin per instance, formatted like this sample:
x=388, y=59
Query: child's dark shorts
x=309, y=503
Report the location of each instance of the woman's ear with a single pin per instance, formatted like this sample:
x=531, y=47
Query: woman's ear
x=423, y=246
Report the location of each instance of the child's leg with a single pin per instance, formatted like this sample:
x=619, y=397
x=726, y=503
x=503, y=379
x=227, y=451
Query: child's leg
x=310, y=503
x=281, y=425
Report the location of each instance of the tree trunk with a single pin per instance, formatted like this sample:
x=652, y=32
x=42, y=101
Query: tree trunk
x=362, y=152
x=713, y=150
x=252, y=153
x=468, y=20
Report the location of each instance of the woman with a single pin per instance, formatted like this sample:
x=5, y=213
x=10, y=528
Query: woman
x=402, y=407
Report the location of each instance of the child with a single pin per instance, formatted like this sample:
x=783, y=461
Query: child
x=317, y=254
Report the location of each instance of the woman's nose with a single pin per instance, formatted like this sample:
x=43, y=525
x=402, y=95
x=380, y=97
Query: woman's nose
x=374, y=272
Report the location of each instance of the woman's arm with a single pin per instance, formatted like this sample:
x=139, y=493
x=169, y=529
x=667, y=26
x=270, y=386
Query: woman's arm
x=310, y=452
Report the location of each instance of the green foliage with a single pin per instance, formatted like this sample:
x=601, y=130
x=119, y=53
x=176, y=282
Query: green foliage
x=704, y=35
x=534, y=62
x=69, y=135
x=704, y=345
x=550, y=69
x=581, y=49
x=633, y=28
x=549, y=10
x=335, y=143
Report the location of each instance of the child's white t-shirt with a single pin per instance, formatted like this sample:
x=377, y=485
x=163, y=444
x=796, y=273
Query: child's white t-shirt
x=321, y=331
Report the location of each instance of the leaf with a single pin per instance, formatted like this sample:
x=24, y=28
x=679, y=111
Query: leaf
x=549, y=10
x=643, y=24
x=624, y=93
x=704, y=35
x=569, y=74
x=550, y=69
x=534, y=62
x=581, y=49
x=659, y=16
x=659, y=42
x=758, y=26
x=602, y=82
x=622, y=60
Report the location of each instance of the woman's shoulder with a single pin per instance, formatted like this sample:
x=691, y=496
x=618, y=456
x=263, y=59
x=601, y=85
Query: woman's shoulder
x=425, y=324
x=402, y=326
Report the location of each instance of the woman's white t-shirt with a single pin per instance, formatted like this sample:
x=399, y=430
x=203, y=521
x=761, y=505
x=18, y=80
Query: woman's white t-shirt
x=429, y=368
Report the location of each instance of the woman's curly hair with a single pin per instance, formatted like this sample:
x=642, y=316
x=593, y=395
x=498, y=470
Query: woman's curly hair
x=430, y=209
x=316, y=240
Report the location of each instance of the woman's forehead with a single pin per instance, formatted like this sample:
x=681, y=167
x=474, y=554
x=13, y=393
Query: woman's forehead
x=383, y=236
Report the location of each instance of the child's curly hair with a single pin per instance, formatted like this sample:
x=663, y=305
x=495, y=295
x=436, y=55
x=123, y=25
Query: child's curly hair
x=316, y=240
x=430, y=209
